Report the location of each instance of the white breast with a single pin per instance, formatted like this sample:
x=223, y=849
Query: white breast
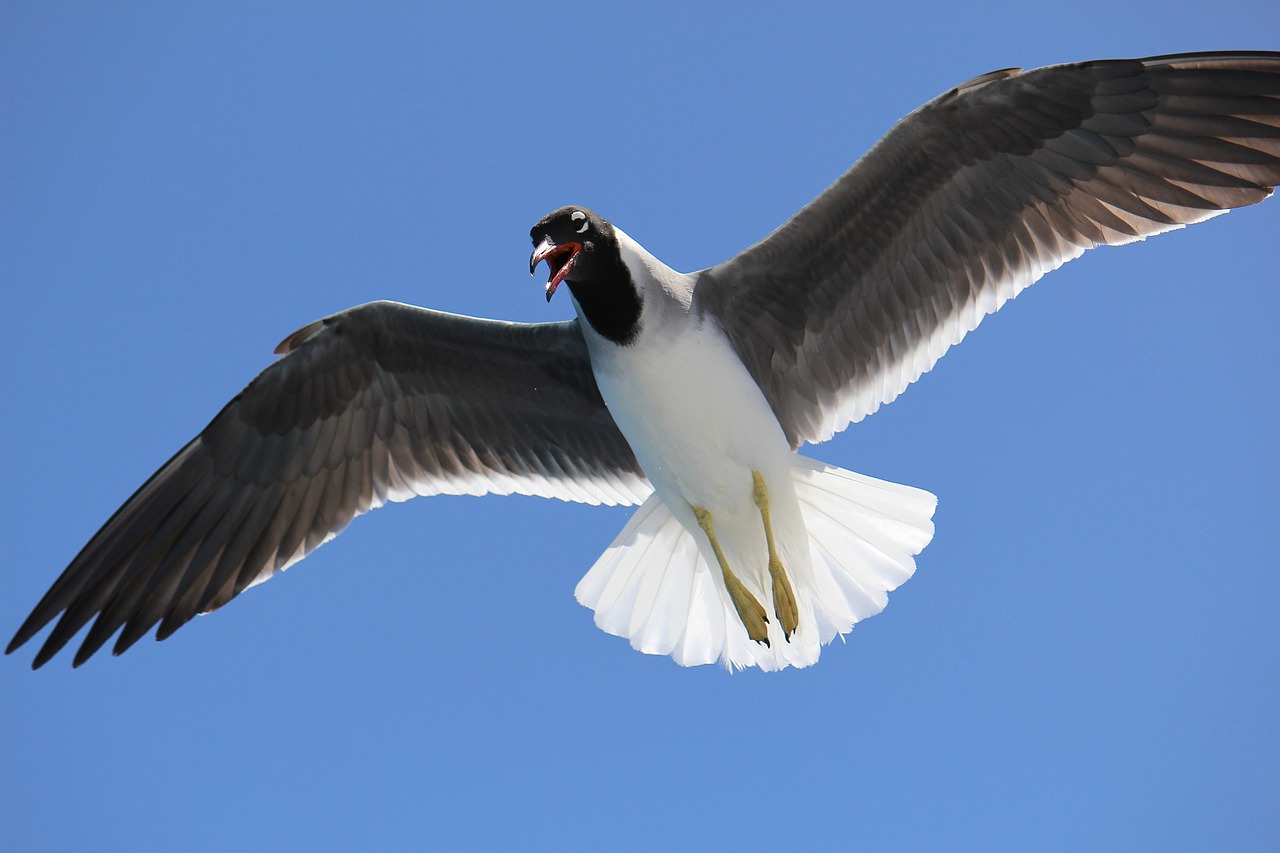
x=697, y=421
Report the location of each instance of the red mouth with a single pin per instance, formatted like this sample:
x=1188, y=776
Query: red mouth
x=559, y=260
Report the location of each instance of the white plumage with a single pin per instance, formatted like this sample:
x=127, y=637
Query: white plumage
x=700, y=427
x=655, y=587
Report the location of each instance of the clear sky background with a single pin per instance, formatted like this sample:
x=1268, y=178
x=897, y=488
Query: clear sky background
x=1085, y=659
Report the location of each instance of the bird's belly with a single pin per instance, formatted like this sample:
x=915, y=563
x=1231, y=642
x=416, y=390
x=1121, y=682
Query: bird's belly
x=696, y=420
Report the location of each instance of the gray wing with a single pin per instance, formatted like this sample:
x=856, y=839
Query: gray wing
x=973, y=197
x=380, y=402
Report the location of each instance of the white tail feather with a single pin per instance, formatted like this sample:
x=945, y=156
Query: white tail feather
x=653, y=586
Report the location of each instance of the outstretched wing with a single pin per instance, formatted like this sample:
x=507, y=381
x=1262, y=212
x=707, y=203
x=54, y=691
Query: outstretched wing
x=972, y=198
x=381, y=402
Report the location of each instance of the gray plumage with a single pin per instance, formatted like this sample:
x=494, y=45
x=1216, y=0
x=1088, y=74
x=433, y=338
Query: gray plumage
x=383, y=401
x=973, y=197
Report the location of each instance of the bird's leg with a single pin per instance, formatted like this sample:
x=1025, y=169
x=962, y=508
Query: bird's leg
x=753, y=615
x=784, y=597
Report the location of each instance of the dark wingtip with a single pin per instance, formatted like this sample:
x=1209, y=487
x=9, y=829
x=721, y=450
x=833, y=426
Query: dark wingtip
x=43, y=656
x=25, y=633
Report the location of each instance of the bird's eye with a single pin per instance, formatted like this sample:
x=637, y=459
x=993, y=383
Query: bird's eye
x=578, y=214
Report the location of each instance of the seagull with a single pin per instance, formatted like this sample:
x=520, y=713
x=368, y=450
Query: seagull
x=689, y=395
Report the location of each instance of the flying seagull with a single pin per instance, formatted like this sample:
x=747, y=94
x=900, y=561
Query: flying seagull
x=689, y=394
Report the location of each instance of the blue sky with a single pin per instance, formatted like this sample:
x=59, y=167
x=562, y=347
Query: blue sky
x=1085, y=659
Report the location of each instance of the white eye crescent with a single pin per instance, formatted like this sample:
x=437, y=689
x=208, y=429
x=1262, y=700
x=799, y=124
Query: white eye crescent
x=578, y=214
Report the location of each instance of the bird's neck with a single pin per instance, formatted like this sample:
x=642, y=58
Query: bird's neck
x=610, y=300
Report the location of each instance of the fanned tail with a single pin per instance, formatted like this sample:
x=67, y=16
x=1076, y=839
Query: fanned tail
x=654, y=587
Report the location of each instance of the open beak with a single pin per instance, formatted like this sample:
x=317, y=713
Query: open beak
x=559, y=259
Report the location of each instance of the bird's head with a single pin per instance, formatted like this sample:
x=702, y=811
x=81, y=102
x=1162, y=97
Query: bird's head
x=568, y=239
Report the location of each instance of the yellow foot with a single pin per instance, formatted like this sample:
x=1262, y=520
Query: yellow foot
x=753, y=616
x=784, y=597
